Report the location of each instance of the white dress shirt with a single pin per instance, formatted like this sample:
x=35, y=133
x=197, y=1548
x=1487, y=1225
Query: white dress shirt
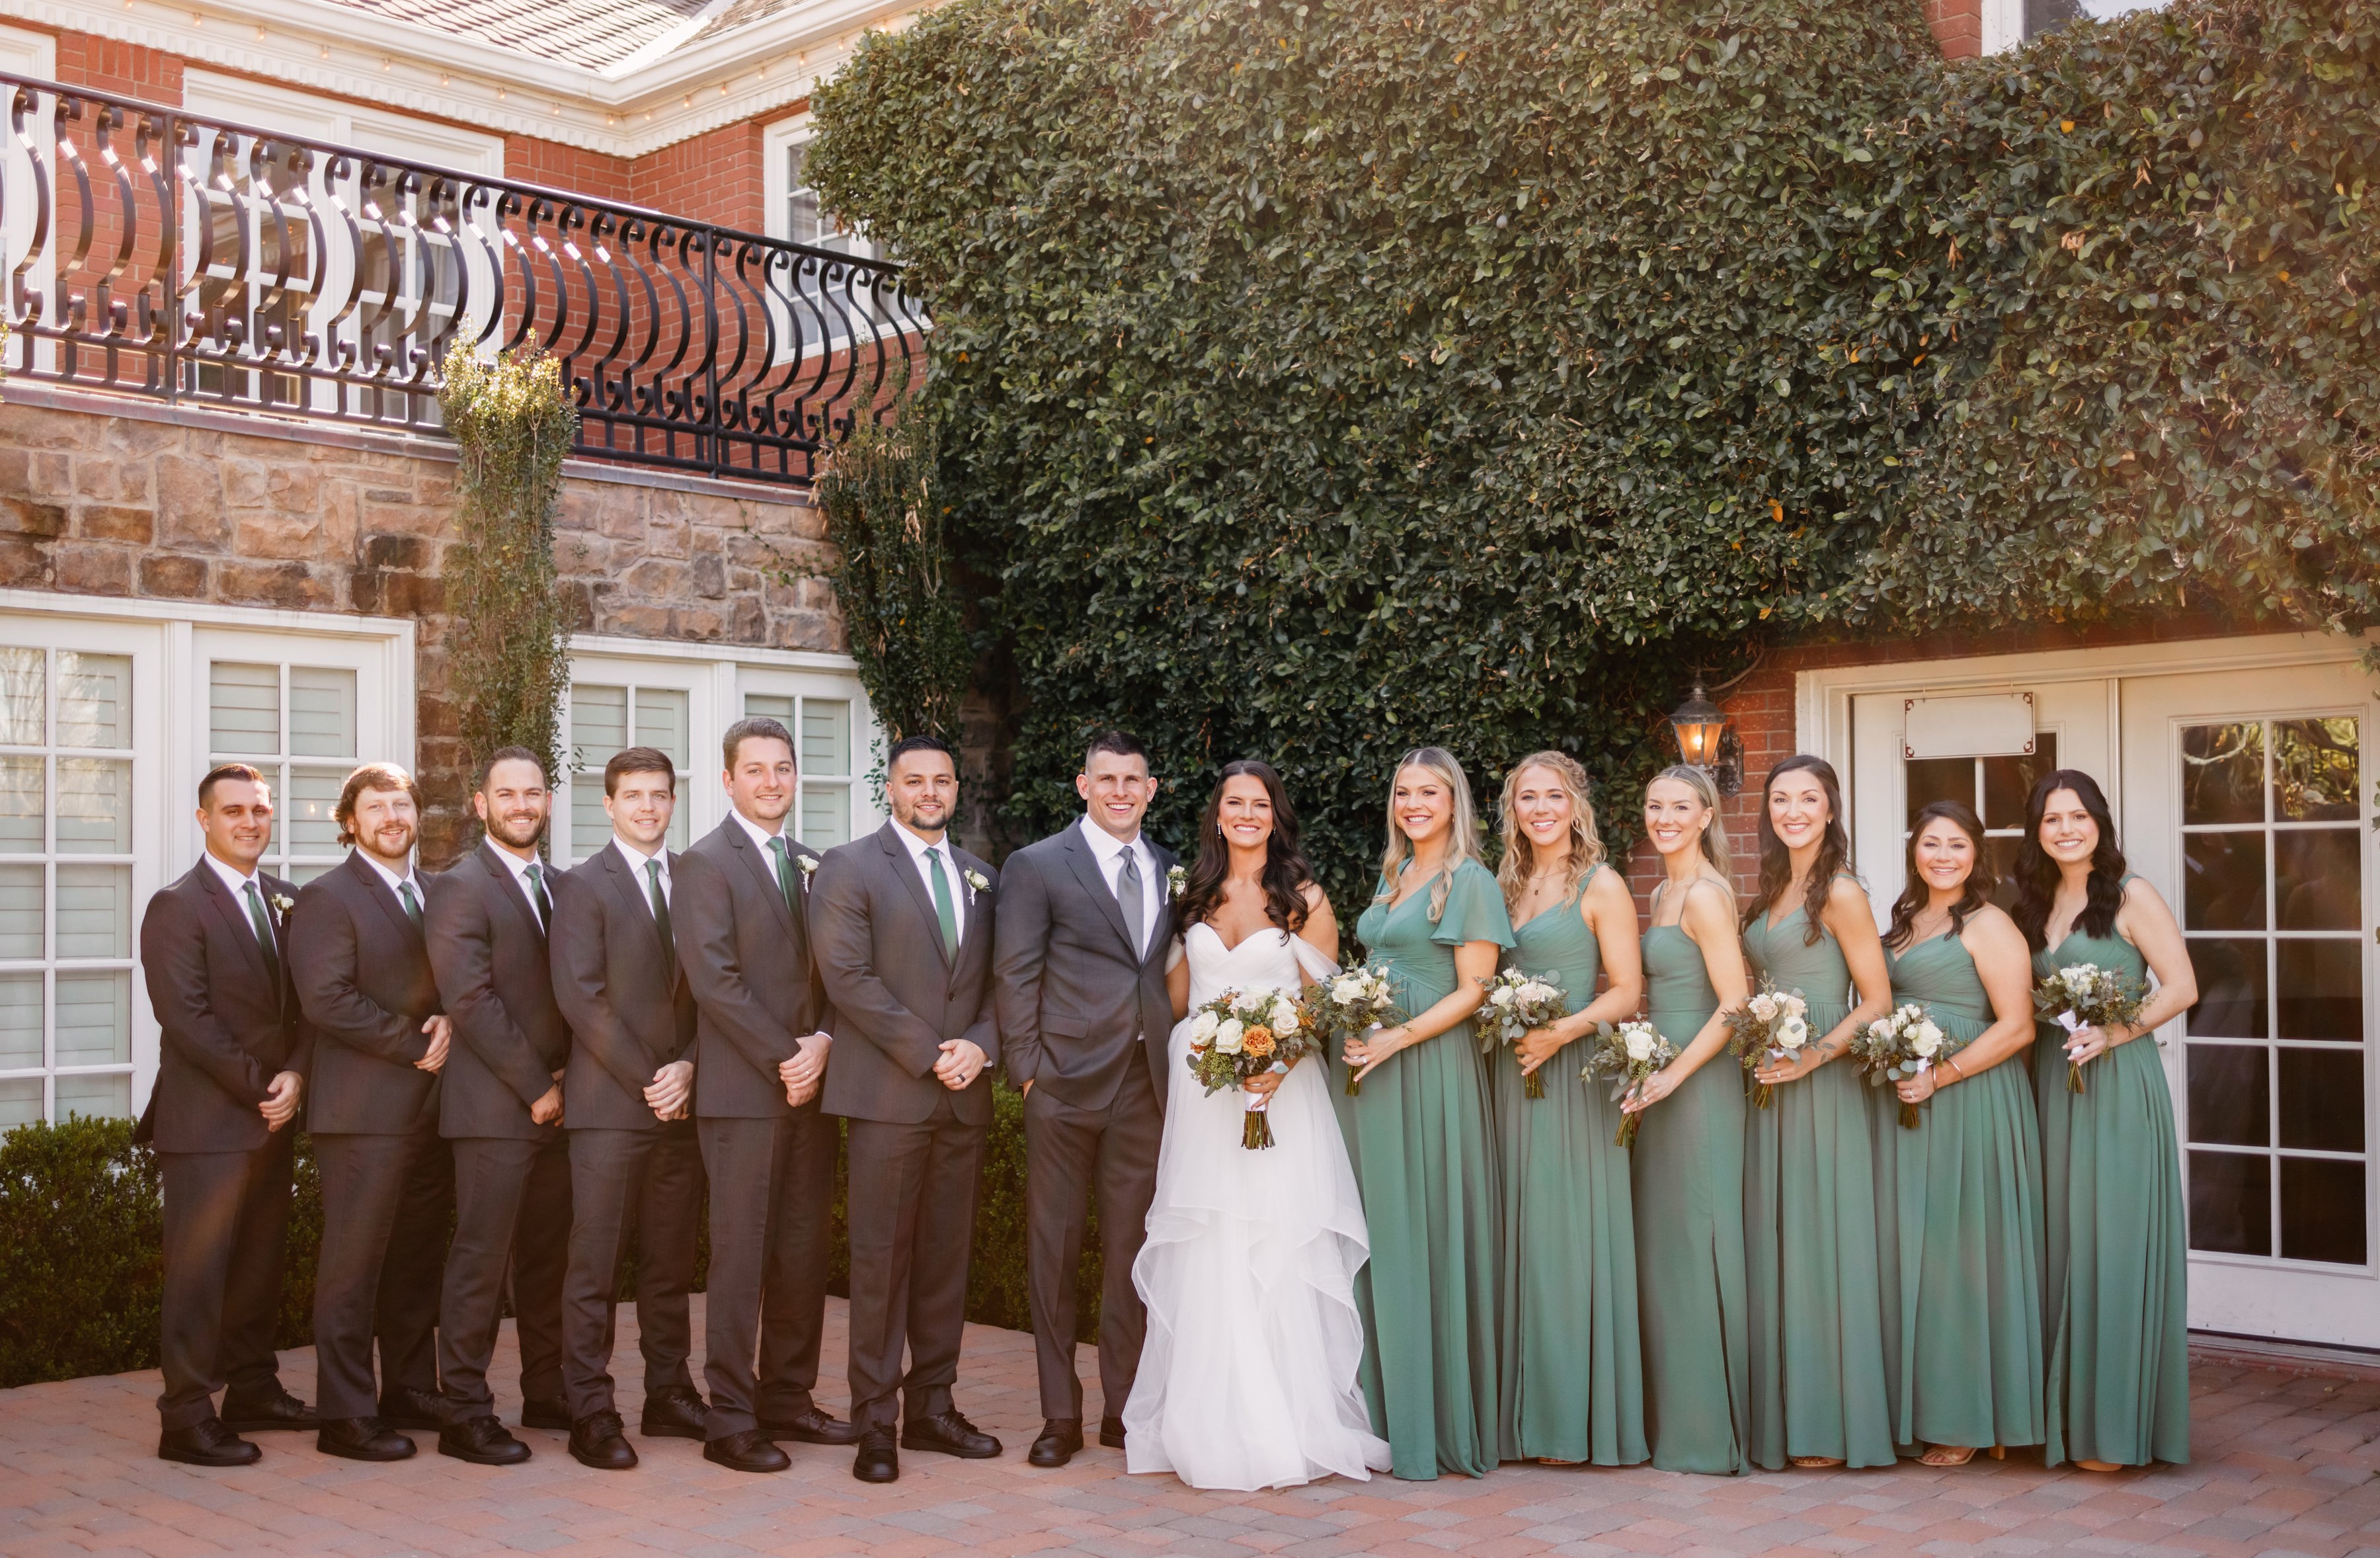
x=397, y=881
x=238, y=886
x=1110, y=851
x=760, y=837
x=520, y=867
x=954, y=878
x=637, y=860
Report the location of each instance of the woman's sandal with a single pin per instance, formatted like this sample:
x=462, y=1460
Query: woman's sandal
x=2098, y=1465
x=1815, y=1463
x=1956, y=1454
x=1549, y=1460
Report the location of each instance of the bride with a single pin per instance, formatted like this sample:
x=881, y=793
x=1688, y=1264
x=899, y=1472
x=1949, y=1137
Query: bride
x=1248, y=1377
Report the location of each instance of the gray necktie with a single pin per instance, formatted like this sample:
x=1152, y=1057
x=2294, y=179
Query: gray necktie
x=1128, y=895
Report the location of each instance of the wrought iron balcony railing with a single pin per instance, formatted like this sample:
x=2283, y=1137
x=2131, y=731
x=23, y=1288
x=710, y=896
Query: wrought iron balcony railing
x=155, y=253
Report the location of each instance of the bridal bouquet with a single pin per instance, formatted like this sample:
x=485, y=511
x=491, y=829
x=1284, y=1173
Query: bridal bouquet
x=1240, y=1035
x=2084, y=996
x=1629, y=1055
x=1516, y=1003
x=1348, y=1005
x=1768, y=1030
x=1902, y=1044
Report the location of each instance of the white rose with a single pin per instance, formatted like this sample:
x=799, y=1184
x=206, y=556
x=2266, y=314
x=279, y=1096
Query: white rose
x=1764, y=1007
x=1880, y=1029
x=1250, y=1001
x=1793, y=1033
x=1926, y=1040
x=1539, y=991
x=1640, y=1044
x=1284, y=1016
x=1230, y=1035
x=1797, y=1007
x=1501, y=996
x=1347, y=991
x=1203, y=1026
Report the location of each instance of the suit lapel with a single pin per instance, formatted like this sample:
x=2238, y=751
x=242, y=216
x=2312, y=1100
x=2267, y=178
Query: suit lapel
x=235, y=918
x=904, y=865
x=764, y=869
x=1087, y=871
x=509, y=888
x=381, y=894
x=1161, y=936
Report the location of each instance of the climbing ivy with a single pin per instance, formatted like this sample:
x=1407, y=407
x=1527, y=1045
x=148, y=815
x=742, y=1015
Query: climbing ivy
x=1319, y=377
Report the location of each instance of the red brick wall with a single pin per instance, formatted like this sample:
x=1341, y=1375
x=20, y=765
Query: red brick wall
x=86, y=59
x=574, y=168
x=715, y=177
x=1958, y=27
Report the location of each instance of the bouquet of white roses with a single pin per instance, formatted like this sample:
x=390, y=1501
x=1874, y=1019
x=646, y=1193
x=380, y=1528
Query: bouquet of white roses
x=1240, y=1035
x=1516, y=1003
x=1347, y=1004
x=1628, y=1053
x=1902, y=1044
x=1768, y=1030
x=2084, y=996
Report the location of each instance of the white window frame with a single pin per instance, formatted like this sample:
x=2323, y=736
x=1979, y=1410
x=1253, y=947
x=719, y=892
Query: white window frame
x=2003, y=21
x=777, y=141
x=170, y=645
x=715, y=678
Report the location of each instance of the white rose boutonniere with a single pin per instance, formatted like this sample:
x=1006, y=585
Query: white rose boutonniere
x=810, y=866
x=978, y=882
x=283, y=903
x=1177, y=880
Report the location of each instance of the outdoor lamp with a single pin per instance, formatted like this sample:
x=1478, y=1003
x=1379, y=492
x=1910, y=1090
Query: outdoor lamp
x=1704, y=741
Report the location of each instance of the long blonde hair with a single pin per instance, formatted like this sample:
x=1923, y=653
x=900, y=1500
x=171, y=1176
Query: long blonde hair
x=1586, y=844
x=1715, y=836
x=1462, y=829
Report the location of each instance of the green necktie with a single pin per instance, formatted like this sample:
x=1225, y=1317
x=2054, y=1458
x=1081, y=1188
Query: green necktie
x=785, y=869
x=406, y=896
x=536, y=895
x=660, y=915
x=264, y=925
x=944, y=910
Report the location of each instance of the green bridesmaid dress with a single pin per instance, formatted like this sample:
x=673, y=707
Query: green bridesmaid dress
x=1809, y=1233
x=2113, y=1293
x=1688, y=1183
x=1962, y=1243
x=1421, y=1143
x=1572, y=1377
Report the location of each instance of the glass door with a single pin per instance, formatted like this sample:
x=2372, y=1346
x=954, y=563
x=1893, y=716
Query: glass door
x=2250, y=796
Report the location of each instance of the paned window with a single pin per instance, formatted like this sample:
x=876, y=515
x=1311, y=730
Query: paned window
x=298, y=724
x=821, y=727
x=605, y=718
x=1996, y=787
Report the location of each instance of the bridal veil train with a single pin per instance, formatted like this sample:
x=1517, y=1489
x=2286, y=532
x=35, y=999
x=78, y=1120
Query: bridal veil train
x=1247, y=1378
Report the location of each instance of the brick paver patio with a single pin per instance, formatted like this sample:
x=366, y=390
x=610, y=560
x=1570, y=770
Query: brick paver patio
x=2286, y=1465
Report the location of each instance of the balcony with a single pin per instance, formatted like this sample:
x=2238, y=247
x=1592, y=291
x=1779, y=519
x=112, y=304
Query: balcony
x=188, y=259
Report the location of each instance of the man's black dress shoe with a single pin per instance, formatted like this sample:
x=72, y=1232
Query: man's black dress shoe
x=878, y=1461
x=600, y=1439
x=747, y=1450
x=546, y=1415
x=947, y=1432
x=206, y=1443
x=812, y=1427
x=361, y=1439
x=262, y=1414
x=673, y=1414
x=1111, y=1432
x=482, y=1442
x=403, y=1407
x=1061, y=1437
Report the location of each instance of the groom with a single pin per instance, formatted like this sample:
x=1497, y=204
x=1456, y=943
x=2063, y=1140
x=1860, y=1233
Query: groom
x=1078, y=978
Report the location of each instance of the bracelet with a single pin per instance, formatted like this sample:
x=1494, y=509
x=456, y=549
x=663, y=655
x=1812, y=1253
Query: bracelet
x=1955, y=1070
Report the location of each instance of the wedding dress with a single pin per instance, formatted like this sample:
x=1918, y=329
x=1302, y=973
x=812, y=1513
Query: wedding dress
x=1248, y=1377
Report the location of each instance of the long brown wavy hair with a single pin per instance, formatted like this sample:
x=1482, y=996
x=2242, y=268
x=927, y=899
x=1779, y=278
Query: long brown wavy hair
x=1520, y=854
x=1914, y=891
x=1286, y=873
x=2037, y=874
x=1777, y=861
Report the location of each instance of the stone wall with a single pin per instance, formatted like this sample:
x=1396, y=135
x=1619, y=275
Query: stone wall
x=104, y=495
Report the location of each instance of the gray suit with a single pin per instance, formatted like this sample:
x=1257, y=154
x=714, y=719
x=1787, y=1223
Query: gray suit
x=1085, y=1018
x=916, y=1146
x=746, y=951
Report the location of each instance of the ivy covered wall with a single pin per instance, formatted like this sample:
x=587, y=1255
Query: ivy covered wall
x=1319, y=377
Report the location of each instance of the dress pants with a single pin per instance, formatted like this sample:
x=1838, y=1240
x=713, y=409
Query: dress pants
x=912, y=1198
x=512, y=1211
x=1072, y=1154
x=771, y=1196
x=386, y=1204
x=647, y=1184
x=226, y=1222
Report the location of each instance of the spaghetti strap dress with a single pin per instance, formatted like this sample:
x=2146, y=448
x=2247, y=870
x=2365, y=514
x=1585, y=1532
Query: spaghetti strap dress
x=1809, y=1231
x=1687, y=1182
x=1423, y=1149
x=1962, y=1246
x=1573, y=1379
x=2116, y=1257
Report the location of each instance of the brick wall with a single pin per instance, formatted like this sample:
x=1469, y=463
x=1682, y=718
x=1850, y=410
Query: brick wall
x=85, y=59
x=717, y=176
x=1958, y=27
x=574, y=168
x=181, y=506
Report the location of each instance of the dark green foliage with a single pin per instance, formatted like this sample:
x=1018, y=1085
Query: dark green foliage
x=1324, y=376
x=996, y=1292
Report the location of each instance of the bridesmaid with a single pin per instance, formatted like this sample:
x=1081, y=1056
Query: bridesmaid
x=1688, y=1173
x=1819, y=1396
x=2115, y=1268
x=1963, y=1248
x=1419, y=1134
x=1573, y=1379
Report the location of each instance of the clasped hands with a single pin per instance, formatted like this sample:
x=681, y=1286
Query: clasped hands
x=805, y=1069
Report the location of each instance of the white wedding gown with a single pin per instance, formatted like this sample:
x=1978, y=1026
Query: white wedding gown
x=1247, y=1378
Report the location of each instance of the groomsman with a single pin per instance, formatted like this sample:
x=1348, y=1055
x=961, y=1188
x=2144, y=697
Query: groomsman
x=361, y=968
x=629, y=1085
x=904, y=931
x=1079, y=976
x=501, y=1107
x=229, y=1071
x=761, y=1046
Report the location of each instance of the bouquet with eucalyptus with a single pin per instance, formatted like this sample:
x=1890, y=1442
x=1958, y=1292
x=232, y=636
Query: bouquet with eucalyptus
x=2084, y=996
x=1628, y=1053
x=1516, y=1003
x=1349, y=1003
x=1902, y=1044
x=1240, y=1035
x=1770, y=1028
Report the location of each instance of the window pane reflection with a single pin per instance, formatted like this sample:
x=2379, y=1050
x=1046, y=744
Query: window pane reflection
x=2321, y=1100
x=21, y=932
x=2231, y=984
x=94, y=1017
x=308, y=821
x=1932, y=779
x=21, y=793
x=2322, y=1210
x=2223, y=882
x=2009, y=782
x=20, y=1101
x=2231, y=1203
x=23, y=704
x=94, y=806
x=2223, y=774
x=2314, y=770
x=2228, y=1097
x=20, y=1022
x=95, y=1098
x=94, y=699
x=2322, y=990
x=94, y=911
x=2318, y=878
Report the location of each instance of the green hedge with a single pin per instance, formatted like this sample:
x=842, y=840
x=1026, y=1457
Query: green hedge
x=82, y=1230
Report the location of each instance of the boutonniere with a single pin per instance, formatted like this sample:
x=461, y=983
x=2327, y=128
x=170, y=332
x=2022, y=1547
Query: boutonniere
x=283, y=903
x=1177, y=880
x=809, y=865
x=978, y=881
